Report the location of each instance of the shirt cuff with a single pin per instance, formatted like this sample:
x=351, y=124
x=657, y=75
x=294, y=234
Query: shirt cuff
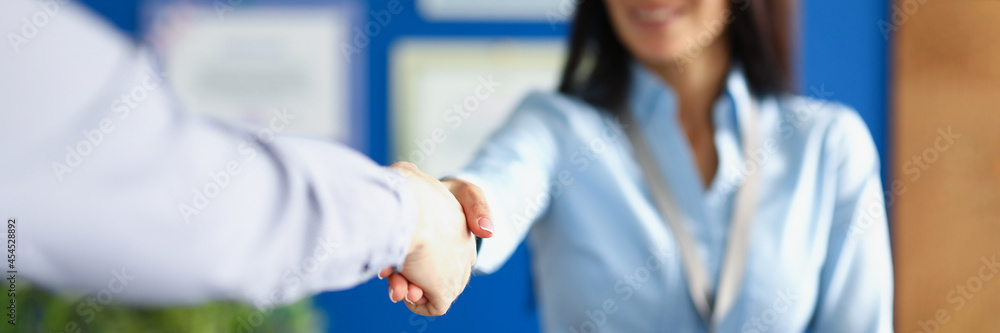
x=399, y=229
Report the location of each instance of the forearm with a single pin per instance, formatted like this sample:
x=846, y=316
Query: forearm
x=109, y=177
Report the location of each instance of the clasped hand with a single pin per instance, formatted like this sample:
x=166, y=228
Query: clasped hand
x=441, y=254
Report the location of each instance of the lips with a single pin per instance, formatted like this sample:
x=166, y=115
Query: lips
x=655, y=16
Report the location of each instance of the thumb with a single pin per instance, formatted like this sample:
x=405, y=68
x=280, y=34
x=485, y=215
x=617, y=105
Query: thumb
x=473, y=201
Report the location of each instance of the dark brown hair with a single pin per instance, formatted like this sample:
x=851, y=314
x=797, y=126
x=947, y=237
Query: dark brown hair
x=597, y=69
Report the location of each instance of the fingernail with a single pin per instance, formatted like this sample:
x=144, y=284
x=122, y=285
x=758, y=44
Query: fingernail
x=390, y=296
x=486, y=224
x=407, y=299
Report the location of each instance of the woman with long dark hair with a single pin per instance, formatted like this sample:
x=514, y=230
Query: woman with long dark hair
x=676, y=183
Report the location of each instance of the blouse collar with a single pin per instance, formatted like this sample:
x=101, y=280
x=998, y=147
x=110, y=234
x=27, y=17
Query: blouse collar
x=651, y=94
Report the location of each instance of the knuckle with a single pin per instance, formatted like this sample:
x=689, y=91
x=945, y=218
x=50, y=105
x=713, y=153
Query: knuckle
x=404, y=165
x=438, y=311
x=462, y=187
x=481, y=206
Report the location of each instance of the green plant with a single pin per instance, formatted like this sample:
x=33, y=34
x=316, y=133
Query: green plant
x=41, y=311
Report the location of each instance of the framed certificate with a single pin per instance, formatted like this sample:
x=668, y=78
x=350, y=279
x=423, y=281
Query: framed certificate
x=447, y=95
x=243, y=62
x=552, y=11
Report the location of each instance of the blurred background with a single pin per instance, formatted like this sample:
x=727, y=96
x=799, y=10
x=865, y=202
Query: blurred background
x=427, y=81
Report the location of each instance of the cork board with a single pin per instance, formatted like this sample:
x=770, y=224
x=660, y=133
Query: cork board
x=944, y=192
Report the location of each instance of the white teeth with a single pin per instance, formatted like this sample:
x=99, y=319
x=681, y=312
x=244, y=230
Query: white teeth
x=656, y=15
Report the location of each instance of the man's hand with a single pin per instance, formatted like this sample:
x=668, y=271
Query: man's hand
x=442, y=251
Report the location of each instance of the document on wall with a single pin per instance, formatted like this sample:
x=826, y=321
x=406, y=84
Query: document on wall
x=449, y=95
x=552, y=11
x=249, y=63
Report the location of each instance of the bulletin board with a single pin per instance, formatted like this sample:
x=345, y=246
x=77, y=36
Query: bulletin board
x=946, y=192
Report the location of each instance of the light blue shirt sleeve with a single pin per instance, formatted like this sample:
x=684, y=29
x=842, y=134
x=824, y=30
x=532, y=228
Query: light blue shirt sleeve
x=113, y=183
x=516, y=169
x=562, y=175
x=856, y=286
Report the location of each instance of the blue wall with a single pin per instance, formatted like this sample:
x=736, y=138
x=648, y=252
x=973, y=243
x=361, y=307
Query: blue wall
x=842, y=51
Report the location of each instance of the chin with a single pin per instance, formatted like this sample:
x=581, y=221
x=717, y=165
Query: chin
x=658, y=55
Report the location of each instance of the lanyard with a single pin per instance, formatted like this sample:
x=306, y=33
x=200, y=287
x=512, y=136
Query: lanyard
x=711, y=310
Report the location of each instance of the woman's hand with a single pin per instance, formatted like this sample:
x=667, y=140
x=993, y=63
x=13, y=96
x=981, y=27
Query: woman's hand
x=473, y=200
x=479, y=222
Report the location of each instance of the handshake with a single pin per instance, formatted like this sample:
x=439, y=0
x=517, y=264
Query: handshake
x=441, y=254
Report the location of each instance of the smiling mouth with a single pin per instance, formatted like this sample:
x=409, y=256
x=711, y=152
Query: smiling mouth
x=655, y=17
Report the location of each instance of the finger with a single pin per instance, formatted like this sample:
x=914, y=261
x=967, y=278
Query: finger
x=429, y=308
x=433, y=307
x=404, y=166
x=385, y=272
x=477, y=211
x=397, y=287
x=415, y=294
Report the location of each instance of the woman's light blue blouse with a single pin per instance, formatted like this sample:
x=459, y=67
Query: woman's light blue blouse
x=563, y=174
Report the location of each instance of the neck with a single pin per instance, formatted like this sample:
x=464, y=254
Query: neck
x=697, y=81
